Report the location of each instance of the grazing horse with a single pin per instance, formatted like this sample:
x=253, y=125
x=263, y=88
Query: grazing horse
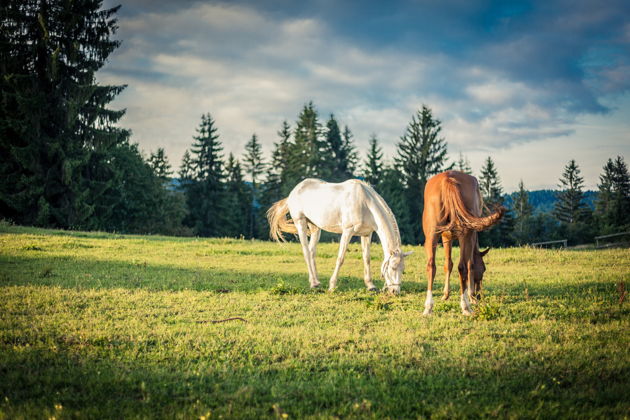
x=350, y=208
x=452, y=209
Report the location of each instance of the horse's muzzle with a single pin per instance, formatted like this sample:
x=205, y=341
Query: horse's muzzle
x=392, y=290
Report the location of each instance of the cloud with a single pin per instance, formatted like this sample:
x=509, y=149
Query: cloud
x=498, y=78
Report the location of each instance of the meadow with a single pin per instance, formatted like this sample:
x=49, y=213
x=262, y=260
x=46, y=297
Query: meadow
x=96, y=325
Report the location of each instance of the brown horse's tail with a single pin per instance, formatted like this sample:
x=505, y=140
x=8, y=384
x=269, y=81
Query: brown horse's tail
x=278, y=222
x=460, y=217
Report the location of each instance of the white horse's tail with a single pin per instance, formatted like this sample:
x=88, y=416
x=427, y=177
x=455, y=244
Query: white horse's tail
x=278, y=221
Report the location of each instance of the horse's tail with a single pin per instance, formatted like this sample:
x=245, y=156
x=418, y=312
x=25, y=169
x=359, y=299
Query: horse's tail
x=460, y=217
x=278, y=222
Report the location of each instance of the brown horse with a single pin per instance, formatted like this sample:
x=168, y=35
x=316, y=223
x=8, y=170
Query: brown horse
x=452, y=209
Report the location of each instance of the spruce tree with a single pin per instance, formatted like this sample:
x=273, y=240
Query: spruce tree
x=522, y=206
x=570, y=207
x=421, y=154
x=621, y=190
x=171, y=206
x=490, y=184
x=373, y=165
x=348, y=156
x=186, y=169
x=492, y=194
x=238, y=207
x=394, y=194
x=206, y=195
x=275, y=187
x=160, y=164
x=57, y=136
x=305, y=153
x=523, y=211
x=332, y=147
x=612, y=207
x=254, y=166
x=463, y=165
x=339, y=155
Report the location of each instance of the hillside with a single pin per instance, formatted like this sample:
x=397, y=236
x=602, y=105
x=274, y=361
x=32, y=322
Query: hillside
x=96, y=325
x=544, y=201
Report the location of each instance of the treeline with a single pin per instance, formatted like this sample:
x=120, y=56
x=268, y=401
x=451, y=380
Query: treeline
x=571, y=217
x=229, y=197
x=63, y=160
x=65, y=163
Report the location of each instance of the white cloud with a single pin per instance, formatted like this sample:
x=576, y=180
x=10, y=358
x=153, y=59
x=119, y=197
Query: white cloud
x=251, y=71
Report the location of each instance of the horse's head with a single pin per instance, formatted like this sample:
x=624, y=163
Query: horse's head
x=392, y=269
x=478, y=271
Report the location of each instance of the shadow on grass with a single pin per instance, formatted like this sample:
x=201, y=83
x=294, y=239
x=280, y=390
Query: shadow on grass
x=71, y=272
x=41, y=383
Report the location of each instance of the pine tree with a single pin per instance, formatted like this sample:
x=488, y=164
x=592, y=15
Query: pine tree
x=421, y=154
x=332, y=148
x=348, y=156
x=621, y=189
x=339, y=155
x=523, y=211
x=463, y=165
x=394, y=194
x=373, y=166
x=137, y=193
x=159, y=162
x=206, y=195
x=254, y=166
x=604, y=203
x=522, y=206
x=570, y=207
x=57, y=136
x=186, y=169
x=613, y=202
x=276, y=186
x=305, y=153
x=238, y=201
x=492, y=194
x=490, y=184
x=171, y=206
x=276, y=182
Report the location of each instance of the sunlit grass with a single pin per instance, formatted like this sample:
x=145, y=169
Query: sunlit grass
x=100, y=325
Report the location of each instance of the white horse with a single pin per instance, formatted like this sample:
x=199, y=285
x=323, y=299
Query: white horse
x=349, y=208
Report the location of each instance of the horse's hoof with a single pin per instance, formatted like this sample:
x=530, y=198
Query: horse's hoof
x=466, y=312
x=445, y=297
x=315, y=286
x=373, y=289
x=427, y=312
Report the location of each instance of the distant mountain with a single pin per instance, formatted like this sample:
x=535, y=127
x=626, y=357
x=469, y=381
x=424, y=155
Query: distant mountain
x=544, y=201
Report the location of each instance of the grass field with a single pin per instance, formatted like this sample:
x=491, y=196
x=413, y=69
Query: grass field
x=97, y=325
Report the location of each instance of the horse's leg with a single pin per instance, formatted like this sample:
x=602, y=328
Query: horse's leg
x=343, y=246
x=367, y=276
x=448, y=265
x=464, y=269
x=312, y=245
x=429, y=246
x=302, y=227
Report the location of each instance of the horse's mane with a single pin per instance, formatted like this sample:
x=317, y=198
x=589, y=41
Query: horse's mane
x=385, y=207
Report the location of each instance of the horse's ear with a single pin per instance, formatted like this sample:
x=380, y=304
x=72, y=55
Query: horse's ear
x=408, y=253
x=483, y=253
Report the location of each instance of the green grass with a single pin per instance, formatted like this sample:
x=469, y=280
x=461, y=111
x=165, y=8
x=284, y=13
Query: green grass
x=119, y=326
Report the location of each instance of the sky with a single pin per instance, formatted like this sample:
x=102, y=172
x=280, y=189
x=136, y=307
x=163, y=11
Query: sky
x=530, y=84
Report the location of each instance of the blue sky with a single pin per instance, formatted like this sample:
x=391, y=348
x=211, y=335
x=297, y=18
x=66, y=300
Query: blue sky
x=532, y=84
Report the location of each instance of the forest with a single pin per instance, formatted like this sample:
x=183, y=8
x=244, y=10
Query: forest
x=66, y=163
